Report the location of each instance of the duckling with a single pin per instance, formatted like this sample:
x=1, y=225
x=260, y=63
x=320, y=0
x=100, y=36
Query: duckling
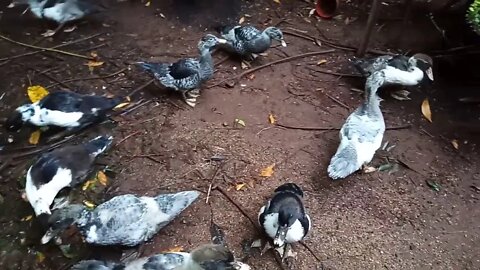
x=186, y=75
x=284, y=218
x=362, y=133
x=63, y=167
x=205, y=257
x=62, y=109
x=247, y=41
x=398, y=69
x=61, y=11
x=126, y=220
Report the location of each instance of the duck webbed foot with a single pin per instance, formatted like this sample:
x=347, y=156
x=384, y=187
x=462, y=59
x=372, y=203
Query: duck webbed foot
x=190, y=97
x=50, y=33
x=368, y=169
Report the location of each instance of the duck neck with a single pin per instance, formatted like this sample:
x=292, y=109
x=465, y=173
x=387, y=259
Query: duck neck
x=372, y=100
x=206, y=64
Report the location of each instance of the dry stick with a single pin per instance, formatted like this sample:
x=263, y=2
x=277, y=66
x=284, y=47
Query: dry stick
x=140, y=88
x=310, y=250
x=211, y=182
x=57, y=82
x=287, y=59
x=45, y=49
x=88, y=78
x=333, y=128
x=128, y=136
x=54, y=47
x=334, y=99
x=334, y=73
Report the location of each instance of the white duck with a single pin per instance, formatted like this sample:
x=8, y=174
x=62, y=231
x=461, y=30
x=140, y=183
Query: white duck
x=362, y=133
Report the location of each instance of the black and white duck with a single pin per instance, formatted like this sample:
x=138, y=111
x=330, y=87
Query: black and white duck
x=284, y=218
x=398, y=69
x=62, y=109
x=247, y=41
x=205, y=257
x=125, y=220
x=61, y=168
x=362, y=133
x=61, y=11
x=186, y=75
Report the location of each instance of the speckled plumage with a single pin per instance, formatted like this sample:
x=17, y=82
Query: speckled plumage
x=361, y=134
x=63, y=11
x=125, y=220
x=205, y=257
x=246, y=40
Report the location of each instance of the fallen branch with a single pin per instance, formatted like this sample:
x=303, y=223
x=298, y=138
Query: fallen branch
x=287, y=59
x=45, y=49
x=333, y=128
x=334, y=99
x=54, y=47
x=140, y=88
x=87, y=78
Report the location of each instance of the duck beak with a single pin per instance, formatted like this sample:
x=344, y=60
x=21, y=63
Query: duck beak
x=284, y=44
x=279, y=239
x=429, y=73
x=222, y=41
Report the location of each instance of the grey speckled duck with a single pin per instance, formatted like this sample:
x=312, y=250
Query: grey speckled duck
x=125, y=220
x=205, y=257
x=362, y=133
x=186, y=75
x=398, y=69
x=247, y=41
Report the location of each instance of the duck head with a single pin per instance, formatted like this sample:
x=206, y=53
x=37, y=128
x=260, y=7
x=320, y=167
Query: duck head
x=424, y=63
x=98, y=145
x=285, y=221
x=216, y=257
x=18, y=117
x=209, y=41
x=276, y=34
x=290, y=187
x=61, y=219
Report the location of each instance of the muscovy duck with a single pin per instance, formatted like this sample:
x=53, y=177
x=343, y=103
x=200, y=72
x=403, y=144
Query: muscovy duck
x=247, y=41
x=186, y=75
x=63, y=167
x=205, y=257
x=62, y=109
x=61, y=11
x=362, y=133
x=284, y=218
x=398, y=69
x=126, y=220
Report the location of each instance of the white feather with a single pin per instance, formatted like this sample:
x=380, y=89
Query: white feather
x=406, y=78
x=42, y=197
x=46, y=117
x=295, y=232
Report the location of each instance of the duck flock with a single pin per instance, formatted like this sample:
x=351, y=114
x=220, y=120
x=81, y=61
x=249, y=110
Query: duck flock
x=130, y=220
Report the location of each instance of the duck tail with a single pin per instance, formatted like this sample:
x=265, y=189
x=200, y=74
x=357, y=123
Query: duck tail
x=343, y=163
x=173, y=204
x=98, y=145
x=160, y=69
x=97, y=265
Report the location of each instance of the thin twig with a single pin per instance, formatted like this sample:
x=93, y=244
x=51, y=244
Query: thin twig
x=333, y=128
x=334, y=99
x=89, y=78
x=45, y=73
x=54, y=47
x=287, y=59
x=211, y=182
x=310, y=250
x=128, y=136
x=335, y=73
x=141, y=103
x=140, y=88
x=45, y=49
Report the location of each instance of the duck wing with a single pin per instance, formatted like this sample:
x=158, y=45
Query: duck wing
x=119, y=221
x=360, y=137
x=62, y=101
x=183, y=74
x=246, y=33
x=166, y=261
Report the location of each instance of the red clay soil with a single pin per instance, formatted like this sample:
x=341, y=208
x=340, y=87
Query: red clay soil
x=387, y=219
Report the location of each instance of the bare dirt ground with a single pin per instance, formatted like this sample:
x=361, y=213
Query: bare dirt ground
x=382, y=220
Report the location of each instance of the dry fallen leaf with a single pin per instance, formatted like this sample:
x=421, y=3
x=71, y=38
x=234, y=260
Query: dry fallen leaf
x=268, y=171
x=40, y=257
x=239, y=122
x=174, y=249
x=94, y=54
x=311, y=12
x=92, y=64
x=368, y=169
x=242, y=19
x=88, y=184
x=240, y=186
x=88, y=204
x=36, y=93
x=102, y=178
x=271, y=119
x=426, y=110
x=244, y=65
x=34, y=137
x=27, y=218
x=455, y=144
x=321, y=62
x=276, y=1
x=148, y=3
x=121, y=105
x=251, y=76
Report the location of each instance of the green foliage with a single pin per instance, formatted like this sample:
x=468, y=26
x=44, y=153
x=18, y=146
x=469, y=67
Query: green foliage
x=473, y=16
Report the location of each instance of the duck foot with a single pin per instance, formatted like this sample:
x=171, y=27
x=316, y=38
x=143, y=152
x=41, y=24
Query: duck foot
x=50, y=33
x=368, y=169
x=190, y=100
